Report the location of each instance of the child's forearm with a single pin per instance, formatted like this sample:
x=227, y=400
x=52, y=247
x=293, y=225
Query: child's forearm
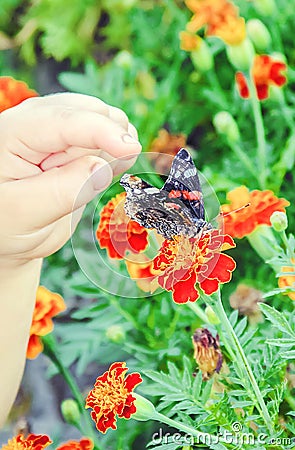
x=18, y=283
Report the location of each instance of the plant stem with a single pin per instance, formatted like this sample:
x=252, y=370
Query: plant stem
x=49, y=350
x=239, y=152
x=198, y=311
x=234, y=347
x=260, y=134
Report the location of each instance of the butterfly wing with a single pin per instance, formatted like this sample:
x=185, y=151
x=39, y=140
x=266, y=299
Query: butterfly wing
x=152, y=208
x=183, y=183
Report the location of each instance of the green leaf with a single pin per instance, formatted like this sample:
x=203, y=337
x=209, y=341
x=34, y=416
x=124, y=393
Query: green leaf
x=281, y=342
x=288, y=355
x=277, y=319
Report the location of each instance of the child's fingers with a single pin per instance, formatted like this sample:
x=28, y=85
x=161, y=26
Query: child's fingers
x=52, y=195
x=50, y=130
x=79, y=101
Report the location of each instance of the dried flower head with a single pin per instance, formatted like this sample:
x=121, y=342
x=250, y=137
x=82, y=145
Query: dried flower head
x=245, y=299
x=207, y=352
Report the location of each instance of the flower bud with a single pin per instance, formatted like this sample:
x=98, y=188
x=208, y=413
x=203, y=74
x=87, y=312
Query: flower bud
x=241, y=56
x=259, y=34
x=145, y=410
x=124, y=59
x=202, y=58
x=224, y=123
x=265, y=7
x=212, y=318
x=147, y=84
x=116, y=333
x=279, y=221
x=70, y=411
x=276, y=94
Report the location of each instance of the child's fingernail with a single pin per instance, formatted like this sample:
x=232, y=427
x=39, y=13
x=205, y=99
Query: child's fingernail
x=128, y=139
x=101, y=176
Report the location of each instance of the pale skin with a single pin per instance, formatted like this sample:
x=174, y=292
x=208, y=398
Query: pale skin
x=56, y=154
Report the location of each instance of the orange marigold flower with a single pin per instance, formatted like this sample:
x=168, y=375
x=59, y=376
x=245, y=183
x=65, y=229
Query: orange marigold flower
x=112, y=396
x=31, y=442
x=186, y=262
x=83, y=444
x=117, y=233
x=219, y=17
x=140, y=269
x=13, y=92
x=165, y=144
x=48, y=305
x=262, y=205
x=288, y=281
x=266, y=71
x=189, y=42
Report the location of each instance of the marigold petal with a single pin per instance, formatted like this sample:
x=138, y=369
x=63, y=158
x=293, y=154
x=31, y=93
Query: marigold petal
x=35, y=347
x=209, y=286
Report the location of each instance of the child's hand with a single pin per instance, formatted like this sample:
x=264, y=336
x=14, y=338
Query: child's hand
x=49, y=147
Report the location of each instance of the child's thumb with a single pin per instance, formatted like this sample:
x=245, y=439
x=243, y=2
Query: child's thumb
x=59, y=191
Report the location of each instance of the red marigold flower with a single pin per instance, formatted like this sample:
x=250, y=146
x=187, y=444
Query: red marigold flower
x=117, y=233
x=288, y=281
x=48, y=305
x=13, y=92
x=262, y=205
x=111, y=396
x=186, y=262
x=83, y=444
x=266, y=71
x=219, y=17
x=31, y=442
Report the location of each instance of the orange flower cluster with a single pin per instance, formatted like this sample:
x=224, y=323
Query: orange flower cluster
x=288, y=281
x=117, y=233
x=262, y=205
x=38, y=442
x=266, y=71
x=13, y=92
x=186, y=262
x=219, y=17
x=111, y=396
x=31, y=442
x=83, y=444
x=48, y=305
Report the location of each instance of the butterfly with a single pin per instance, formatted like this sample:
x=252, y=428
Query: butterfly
x=175, y=209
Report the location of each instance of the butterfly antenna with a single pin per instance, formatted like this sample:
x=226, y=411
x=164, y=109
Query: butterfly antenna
x=236, y=210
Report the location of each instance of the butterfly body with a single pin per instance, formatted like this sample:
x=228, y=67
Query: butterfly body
x=175, y=209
